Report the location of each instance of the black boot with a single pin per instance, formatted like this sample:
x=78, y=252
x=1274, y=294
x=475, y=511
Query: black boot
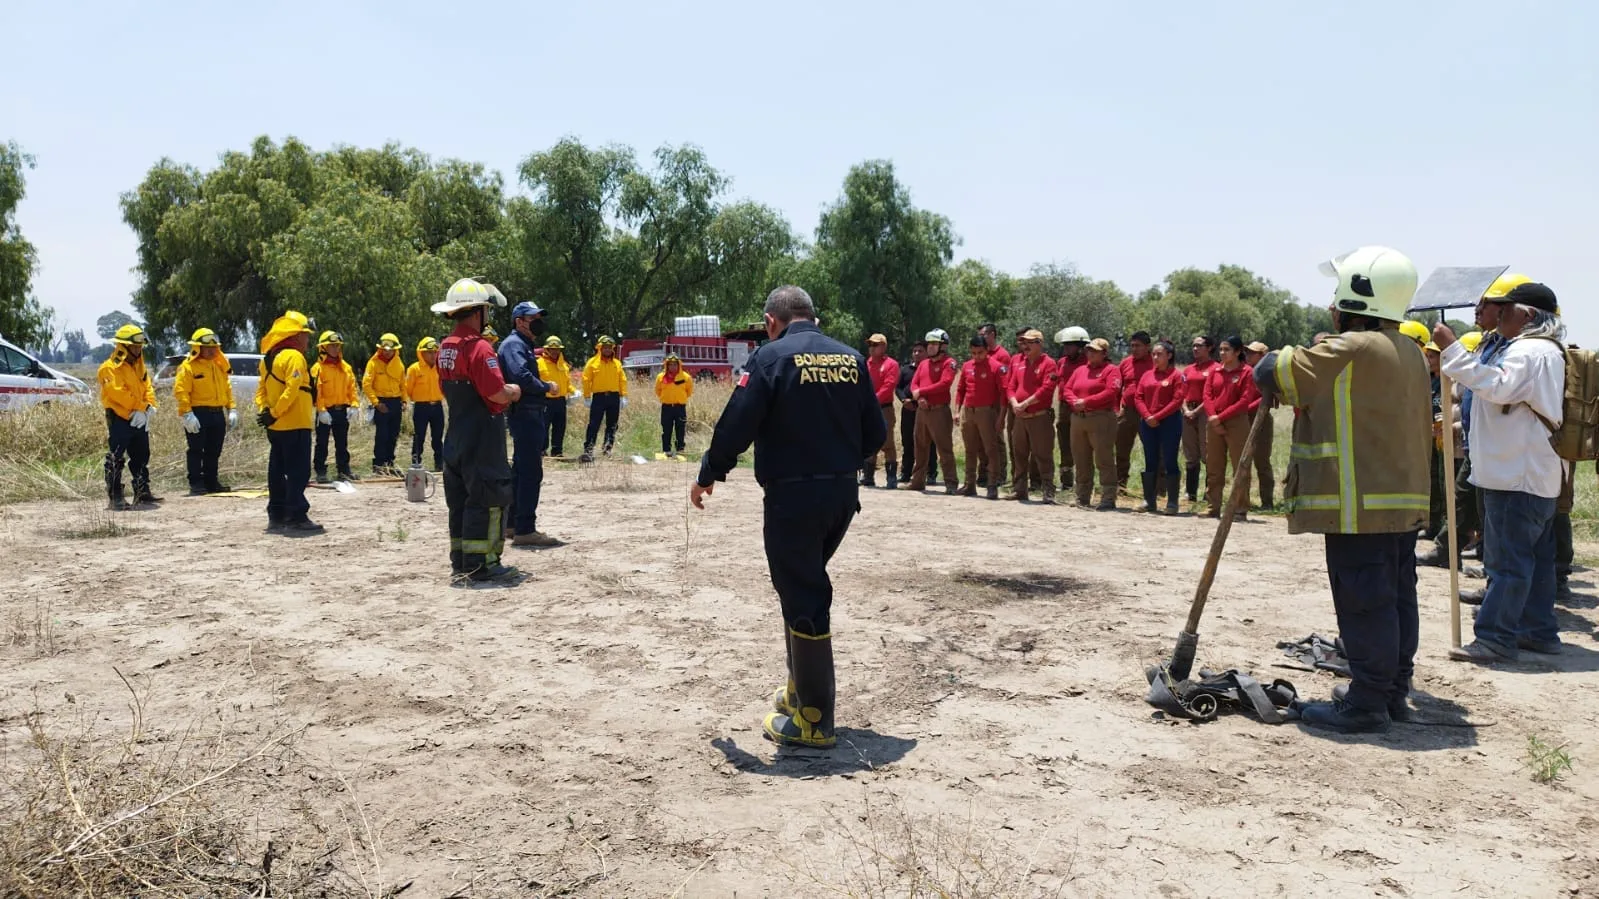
x=322, y=476
x=347, y=475
x=1172, y=488
x=891, y=472
x=1563, y=589
x=785, y=701
x=1338, y=715
x=813, y=690
x=141, y=491
x=1193, y=485
x=1398, y=709
x=1149, y=491
x=869, y=479
x=1268, y=496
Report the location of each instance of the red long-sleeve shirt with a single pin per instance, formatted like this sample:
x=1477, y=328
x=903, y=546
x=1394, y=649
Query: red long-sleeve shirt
x=1064, y=369
x=933, y=379
x=1132, y=373
x=1194, y=381
x=885, y=377
x=981, y=385
x=1229, y=394
x=1032, y=380
x=1002, y=359
x=1159, y=394
x=1098, y=386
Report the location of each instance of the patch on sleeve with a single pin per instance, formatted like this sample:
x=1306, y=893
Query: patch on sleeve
x=492, y=362
x=743, y=379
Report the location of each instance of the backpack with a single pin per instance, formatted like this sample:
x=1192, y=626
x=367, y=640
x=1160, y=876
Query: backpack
x=1576, y=439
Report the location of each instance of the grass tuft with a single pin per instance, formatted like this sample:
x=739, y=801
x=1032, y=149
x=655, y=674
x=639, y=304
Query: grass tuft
x=1547, y=763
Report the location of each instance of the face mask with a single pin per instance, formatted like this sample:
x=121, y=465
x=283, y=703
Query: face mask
x=538, y=326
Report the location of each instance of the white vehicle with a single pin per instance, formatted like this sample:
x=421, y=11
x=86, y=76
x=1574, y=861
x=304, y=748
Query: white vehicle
x=246, y=374
x=25, y=381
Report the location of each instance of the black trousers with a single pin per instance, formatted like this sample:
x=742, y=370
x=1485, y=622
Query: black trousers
x=340, y=431
x=907, y=442
x=1373, y=579
x=477, y=488
x=205, y=448
x=528, y=433
x=674, y=423
x=423, y=417
x=555, y=415
x=126, y=447
x=805, y=521
x=607, y=406
x=386, y=431
x=288, y=471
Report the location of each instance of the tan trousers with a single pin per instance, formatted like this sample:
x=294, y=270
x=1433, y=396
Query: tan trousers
x=1195, y=436
x=1094, y=438
x=1002, y=430
x=980, y=435
x=1126, y=437
x=1265, y=482
x=1032, y=441
x=1219, y=452
x=935, y=430
x=1063, y=439
x=889, y=452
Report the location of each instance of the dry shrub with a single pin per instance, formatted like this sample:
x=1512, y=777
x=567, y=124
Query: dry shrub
x=197, y=813
x=887, y=851
x=33, y=629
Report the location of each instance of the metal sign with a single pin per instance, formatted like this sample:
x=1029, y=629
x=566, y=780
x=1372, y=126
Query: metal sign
x=1453, y=288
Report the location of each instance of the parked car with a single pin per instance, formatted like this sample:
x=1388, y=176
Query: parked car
x=246, y=374
x=25, y=381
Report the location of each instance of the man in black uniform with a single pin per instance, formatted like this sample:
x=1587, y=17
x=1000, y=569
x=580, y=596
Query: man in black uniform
x=807, y=403
x=907, y=416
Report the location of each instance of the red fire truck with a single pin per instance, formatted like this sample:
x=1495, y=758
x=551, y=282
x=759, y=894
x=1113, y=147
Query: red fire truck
x=707, y=352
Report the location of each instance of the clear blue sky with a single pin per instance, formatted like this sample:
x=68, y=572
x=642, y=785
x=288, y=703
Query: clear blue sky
x=1127, y=139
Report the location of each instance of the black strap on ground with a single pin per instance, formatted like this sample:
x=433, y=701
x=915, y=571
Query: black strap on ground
x=1215, y=691
x=1316, y=651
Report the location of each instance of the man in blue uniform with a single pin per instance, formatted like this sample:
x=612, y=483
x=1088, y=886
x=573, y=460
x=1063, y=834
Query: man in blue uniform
x=529, y=428
x=806, y=401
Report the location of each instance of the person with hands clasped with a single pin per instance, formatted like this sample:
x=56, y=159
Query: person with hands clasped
x=1159, y=401
x=1230, y=399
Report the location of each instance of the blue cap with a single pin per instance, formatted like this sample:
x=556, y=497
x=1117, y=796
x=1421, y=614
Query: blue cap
x=526, y=310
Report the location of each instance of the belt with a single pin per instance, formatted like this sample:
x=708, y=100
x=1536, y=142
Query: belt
x=208, y=408
x=339, y=408
x=938, y=405
x=1087, y=412
x=428, y=403
x=830, y=476
x=674, y=405
x=606, y=393
x=1025, y=415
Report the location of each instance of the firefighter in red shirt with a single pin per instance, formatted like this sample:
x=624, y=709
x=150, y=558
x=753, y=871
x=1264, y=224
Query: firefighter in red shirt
x=1031, y=390
x=1231, y=397
x=977, y=405
x=1092, y=395
x=884, y=372
x=1132, y=368
x=1159, y=401
x=477, y=475
x=1194, y=429
x=1002, y=359
x=1071, y=340
x=935, y=424
x=1265, y=479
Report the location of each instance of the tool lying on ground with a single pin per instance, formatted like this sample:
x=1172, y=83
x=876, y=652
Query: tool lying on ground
x=1203, y=699
x=1317, y=652
x=1168, y=679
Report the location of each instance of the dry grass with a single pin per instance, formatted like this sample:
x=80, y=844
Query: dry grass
x=33, y=628
x=200, y=812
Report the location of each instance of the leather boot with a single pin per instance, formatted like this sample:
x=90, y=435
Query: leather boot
x=1172, y=490
x=813, y=690
x=1268, y=496
x=1338, y=715
x=1563, y=589
x=141, y=491
x=1149, y=491
x=1192, y=480
x=1398, y=709
x=993, y=492
x=1107, y=498
x=347, y=475
x=891, y=471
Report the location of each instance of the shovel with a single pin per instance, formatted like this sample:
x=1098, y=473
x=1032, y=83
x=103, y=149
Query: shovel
x=1177, y=669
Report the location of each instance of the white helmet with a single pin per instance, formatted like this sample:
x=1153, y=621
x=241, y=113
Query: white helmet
x=938, y=335
x=1072, y=334
x=466, y=293
x=1374, y=281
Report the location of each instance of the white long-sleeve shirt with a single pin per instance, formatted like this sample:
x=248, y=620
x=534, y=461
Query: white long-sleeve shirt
x=1510, y=447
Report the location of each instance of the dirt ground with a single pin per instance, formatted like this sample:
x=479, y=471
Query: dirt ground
x=595, y=730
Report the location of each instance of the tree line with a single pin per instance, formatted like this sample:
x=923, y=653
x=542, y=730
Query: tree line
x=365, y=239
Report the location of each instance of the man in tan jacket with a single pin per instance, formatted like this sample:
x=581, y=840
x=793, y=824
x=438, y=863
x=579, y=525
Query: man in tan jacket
x=1359, y=474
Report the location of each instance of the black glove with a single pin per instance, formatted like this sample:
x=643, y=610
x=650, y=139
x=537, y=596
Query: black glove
x=265, y=418
x=1266, y=375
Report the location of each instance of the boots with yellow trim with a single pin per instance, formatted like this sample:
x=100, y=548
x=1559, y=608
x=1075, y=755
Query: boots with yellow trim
x=811, y=725
x=784, y=699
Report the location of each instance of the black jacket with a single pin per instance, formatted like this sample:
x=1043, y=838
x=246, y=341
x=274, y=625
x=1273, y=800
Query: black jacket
x=806, y=402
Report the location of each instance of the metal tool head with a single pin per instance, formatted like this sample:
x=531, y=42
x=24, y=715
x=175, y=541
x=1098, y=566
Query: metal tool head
x=1455, y=287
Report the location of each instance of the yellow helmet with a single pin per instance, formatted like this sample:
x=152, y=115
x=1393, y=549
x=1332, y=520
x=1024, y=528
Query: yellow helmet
x=1431, y=347
x=388, y=342
x=1504, y=284
x=1471, y=340
x=605, y=340
x=287, y=325
x=204, y=337
x=129, y=335
x=427, y=345
x=673, y=357
x=1414, y=330
x=553, y=343
x=489, y=333
x=330, y=337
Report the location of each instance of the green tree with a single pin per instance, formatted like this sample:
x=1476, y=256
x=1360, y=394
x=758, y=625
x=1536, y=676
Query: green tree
x=77, y=345
x=970, y=294
x=23, y=319
x=889, y=255
x=1231, y=300
x=1055, y=296
x=106, y=325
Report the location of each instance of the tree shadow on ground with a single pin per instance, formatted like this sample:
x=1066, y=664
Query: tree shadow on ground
x=857, y=750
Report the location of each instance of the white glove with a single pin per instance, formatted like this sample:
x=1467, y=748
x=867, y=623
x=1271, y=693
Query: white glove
x=624, y=403
x=233, y=418
x=324, y=417
x=191, y=422
x=371, y=414
x=139, y=420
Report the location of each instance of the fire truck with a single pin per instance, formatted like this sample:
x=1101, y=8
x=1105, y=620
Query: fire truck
x=707, y=352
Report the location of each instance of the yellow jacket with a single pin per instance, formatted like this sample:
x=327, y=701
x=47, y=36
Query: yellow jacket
x=203, y=382
x=335, y=384
x=557, y=373
x=287, y=391
x=674, y=390
x=125, y=386
x=383, y=380
x=1359, y=463
x=603, y=375
x=422, y=383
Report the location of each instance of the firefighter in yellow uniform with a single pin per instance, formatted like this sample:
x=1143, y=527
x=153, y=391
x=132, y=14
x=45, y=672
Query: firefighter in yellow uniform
x=1358, y=473
x=128, y=397
x=383, y=382
x=673, y=387
x=204, y=393
x=288, y=413
x=604, y=393
x=336, y=404
x=426, y=397
x=557, y=372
